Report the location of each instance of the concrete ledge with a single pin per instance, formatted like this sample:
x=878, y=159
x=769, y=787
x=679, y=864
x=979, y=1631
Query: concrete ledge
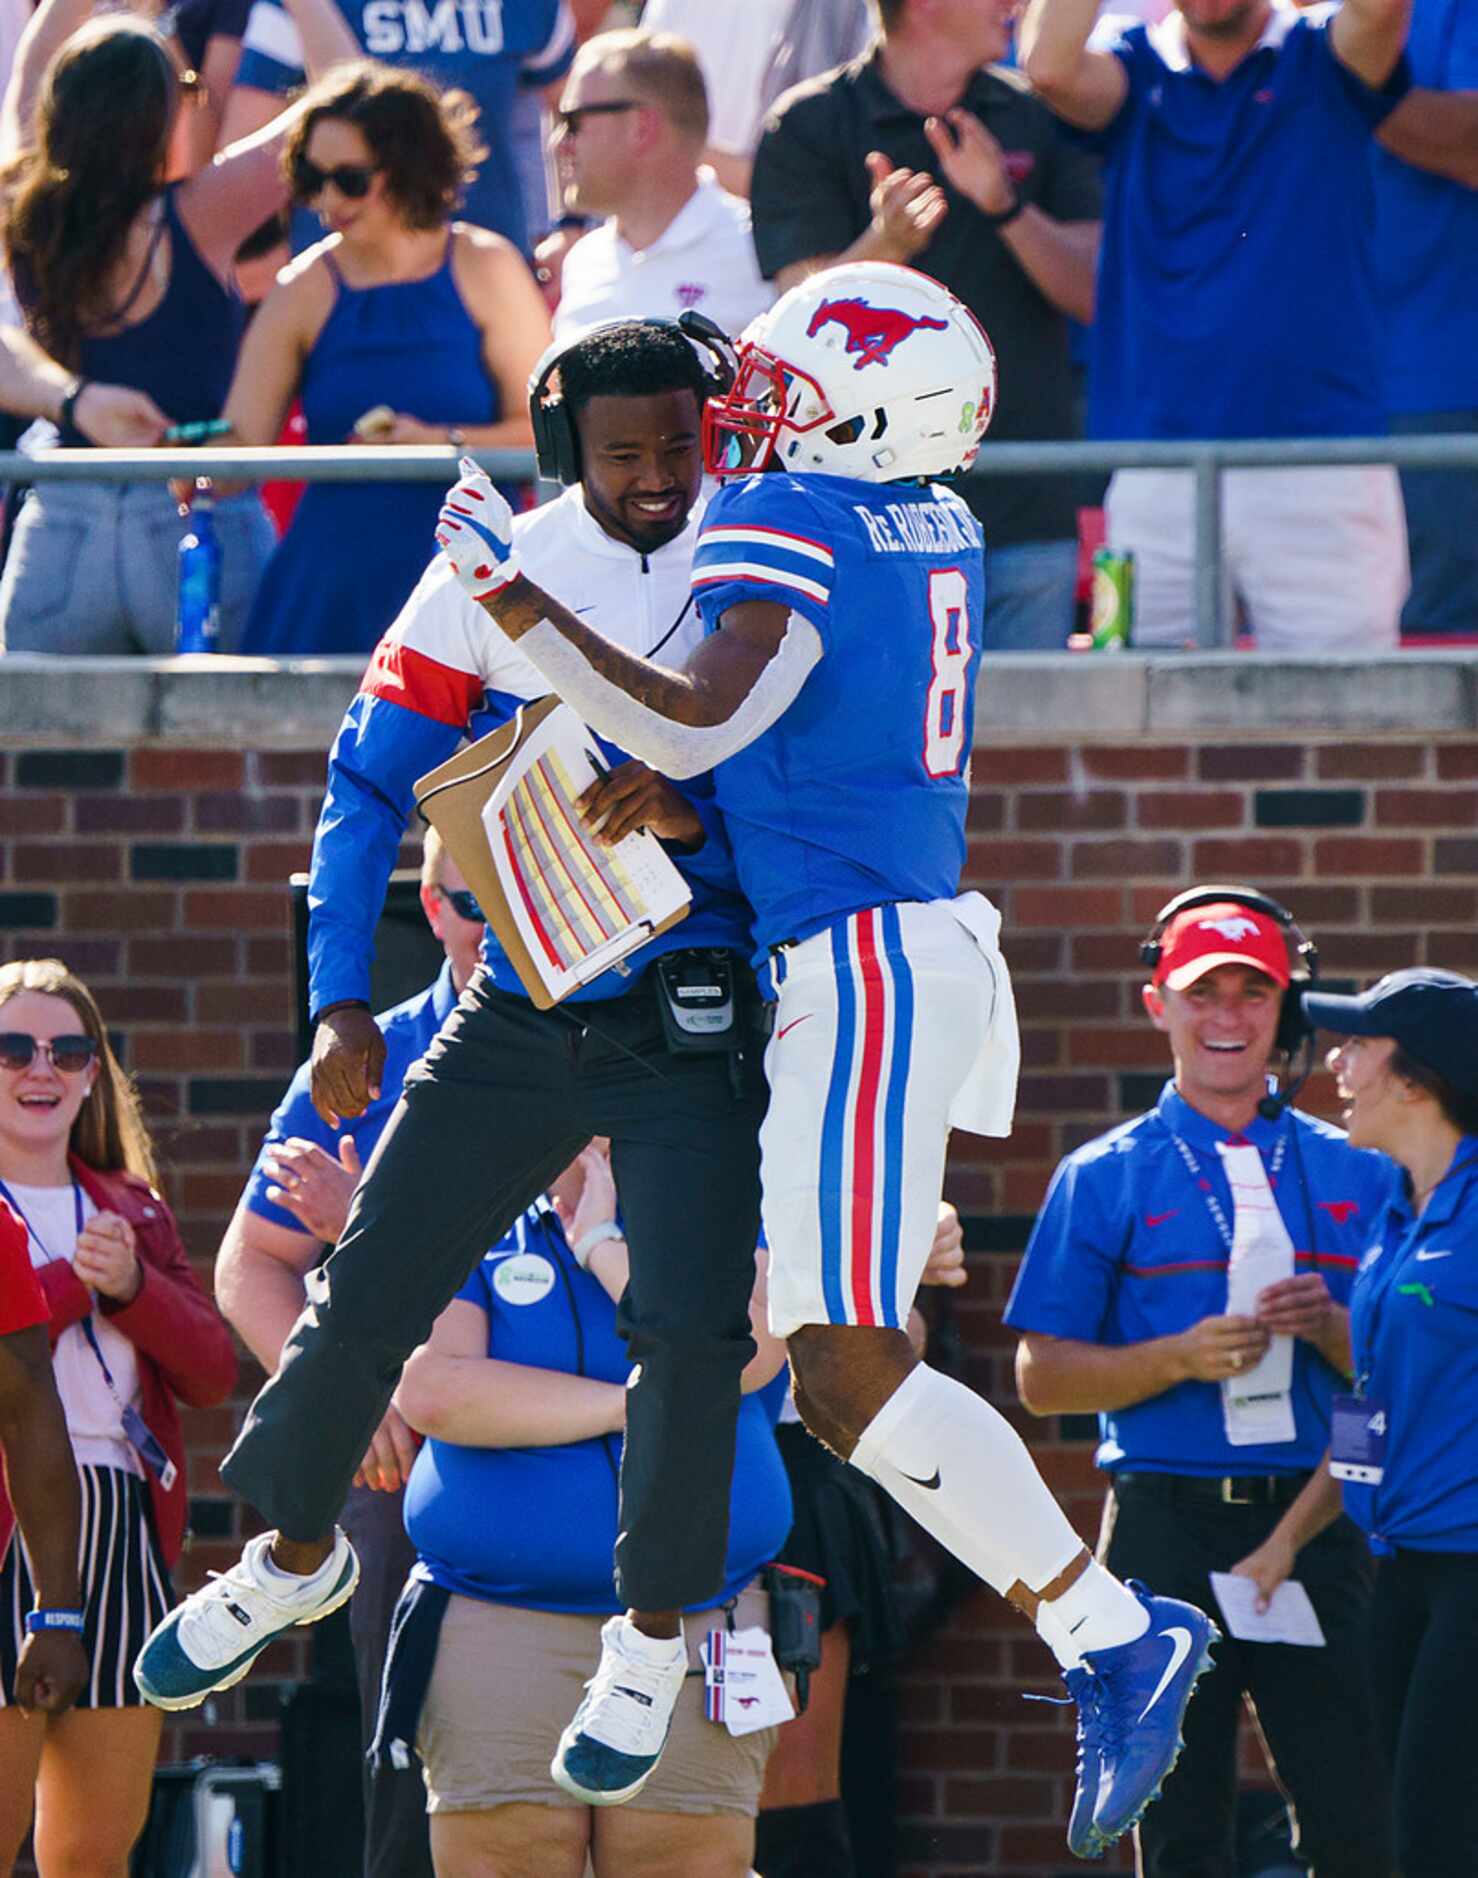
x=242, y=703
x=1025, y=698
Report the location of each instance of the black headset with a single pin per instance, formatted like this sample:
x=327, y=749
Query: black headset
x=556, y=437
x=1293, y=1031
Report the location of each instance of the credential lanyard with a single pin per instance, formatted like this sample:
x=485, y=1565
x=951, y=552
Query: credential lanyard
x=145, y=1443
x=1214, y=1206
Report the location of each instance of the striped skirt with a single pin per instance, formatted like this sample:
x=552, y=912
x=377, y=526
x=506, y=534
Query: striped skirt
x=126, y=1588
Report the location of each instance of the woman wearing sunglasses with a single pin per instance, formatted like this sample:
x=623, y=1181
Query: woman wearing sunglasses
x=131, y=1333
x=1402, y=1451
x=124, y=276
x=402, y=326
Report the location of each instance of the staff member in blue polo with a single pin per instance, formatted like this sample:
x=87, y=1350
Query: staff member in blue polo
x=1187, y=1280
x=1403, y=1442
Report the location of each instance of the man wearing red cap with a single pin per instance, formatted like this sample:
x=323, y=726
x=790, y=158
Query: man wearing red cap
x=1187, y=1281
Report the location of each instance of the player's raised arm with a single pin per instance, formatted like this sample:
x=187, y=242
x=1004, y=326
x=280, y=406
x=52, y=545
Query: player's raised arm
x=683, y=722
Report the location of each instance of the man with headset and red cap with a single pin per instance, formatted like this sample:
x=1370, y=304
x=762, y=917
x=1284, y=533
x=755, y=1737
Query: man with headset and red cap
x=1187, y=1280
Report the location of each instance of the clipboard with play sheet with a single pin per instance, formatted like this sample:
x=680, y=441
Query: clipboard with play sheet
x=564, y=907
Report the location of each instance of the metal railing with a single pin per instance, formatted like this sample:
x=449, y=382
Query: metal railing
x=1207, y=462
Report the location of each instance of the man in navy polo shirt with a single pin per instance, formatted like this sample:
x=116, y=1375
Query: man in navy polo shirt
x=1212, y=1418
x=1426, y=264
x=1236, y=295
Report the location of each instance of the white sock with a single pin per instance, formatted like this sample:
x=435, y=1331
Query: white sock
x=1094, y=1613
x=271, y=1570
x=990, y=1506
x=658, y=1651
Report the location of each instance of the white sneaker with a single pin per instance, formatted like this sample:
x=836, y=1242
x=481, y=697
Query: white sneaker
x=611, y=1747
x=213, y=1638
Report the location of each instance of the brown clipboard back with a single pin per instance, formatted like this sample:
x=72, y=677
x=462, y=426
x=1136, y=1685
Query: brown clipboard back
x=452, y=798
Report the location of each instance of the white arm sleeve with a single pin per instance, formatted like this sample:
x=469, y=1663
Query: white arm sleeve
x=674, y=749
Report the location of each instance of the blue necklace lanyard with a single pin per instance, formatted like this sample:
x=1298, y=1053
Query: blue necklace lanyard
x=6, y=1194
x=86, y=1325
x=141, y=1437
x=1214, y=1206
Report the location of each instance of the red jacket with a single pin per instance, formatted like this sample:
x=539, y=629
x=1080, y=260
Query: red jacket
x=184, y=1348
x=22, y=1302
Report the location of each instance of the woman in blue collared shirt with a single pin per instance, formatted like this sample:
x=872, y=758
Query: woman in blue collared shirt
x=1408, y=1070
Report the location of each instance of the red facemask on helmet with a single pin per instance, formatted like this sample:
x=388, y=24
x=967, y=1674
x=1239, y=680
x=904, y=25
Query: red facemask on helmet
x=767, y=397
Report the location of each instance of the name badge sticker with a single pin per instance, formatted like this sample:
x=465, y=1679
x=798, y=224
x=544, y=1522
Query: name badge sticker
x=1357, y=1439
x=523, y=1278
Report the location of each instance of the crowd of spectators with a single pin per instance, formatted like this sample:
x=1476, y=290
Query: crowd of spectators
x=1230, y=219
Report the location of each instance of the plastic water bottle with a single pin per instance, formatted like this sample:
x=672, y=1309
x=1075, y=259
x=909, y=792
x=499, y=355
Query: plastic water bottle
x=197, y=618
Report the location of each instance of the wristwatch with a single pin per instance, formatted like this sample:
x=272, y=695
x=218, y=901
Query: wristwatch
x=588, y=1241
x=1003, y=216
x=65, y=417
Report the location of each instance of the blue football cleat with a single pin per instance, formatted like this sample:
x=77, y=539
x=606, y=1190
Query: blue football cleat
x=1130, y=1713
x=1085, y=1689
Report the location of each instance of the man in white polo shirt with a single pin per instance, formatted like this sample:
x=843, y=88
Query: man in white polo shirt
x=630, y=135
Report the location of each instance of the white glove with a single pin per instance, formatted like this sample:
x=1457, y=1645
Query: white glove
x=475, y=530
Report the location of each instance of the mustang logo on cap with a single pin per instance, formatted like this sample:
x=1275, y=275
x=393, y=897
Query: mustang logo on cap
x=1230, y=929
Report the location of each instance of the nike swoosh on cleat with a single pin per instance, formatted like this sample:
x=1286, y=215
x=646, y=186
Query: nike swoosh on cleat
x=1180, y=1644
x=792, y=1024
x=930, y=1485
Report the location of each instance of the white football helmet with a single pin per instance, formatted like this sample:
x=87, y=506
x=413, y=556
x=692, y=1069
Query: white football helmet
x=869, y=370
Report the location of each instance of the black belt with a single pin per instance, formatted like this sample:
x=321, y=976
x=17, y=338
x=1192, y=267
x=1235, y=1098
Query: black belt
x=1228, y=1489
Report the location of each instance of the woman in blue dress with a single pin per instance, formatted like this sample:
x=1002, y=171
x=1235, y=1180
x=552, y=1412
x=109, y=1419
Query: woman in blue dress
x=402, y=326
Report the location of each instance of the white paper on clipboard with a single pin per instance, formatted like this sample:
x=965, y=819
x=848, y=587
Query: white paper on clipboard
x=579, y=906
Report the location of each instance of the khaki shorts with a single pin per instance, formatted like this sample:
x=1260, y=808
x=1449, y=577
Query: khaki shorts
x=507, y=1681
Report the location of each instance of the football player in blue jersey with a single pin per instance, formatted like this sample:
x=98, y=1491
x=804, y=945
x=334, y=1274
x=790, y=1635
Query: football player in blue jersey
x=841, y=592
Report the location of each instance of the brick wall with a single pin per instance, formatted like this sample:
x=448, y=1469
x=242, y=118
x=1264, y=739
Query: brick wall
x=157, y=871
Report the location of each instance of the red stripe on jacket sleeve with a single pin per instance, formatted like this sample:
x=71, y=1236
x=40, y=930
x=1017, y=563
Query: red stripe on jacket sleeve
x=401, y=675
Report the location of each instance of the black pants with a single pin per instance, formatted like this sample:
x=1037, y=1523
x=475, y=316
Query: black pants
x=1312, y=1706
x=1424, y=1656
x=503, y=1100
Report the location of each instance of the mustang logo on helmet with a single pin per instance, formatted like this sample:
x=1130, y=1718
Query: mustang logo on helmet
x=798, y=404
x=872, y=331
